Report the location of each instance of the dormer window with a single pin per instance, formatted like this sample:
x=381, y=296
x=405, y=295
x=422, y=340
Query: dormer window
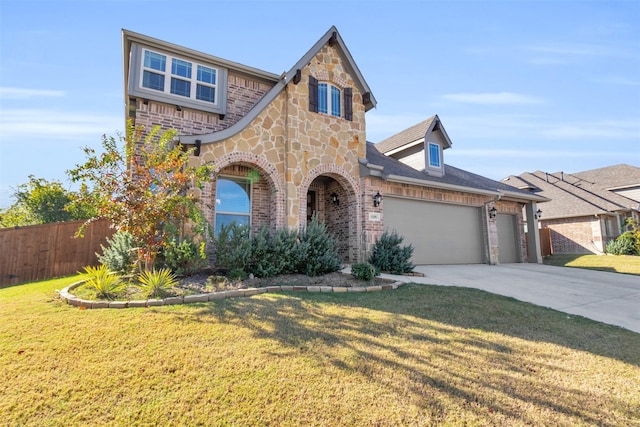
x=434, y=155
x=169, y=78
x=327, y=98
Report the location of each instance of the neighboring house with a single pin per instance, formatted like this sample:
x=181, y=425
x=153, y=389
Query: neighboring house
x=290, y=146
x=587, y=209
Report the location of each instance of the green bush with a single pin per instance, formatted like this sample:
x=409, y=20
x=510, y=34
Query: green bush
x=274, y=253
x=121, y=254
x=387, y=254
x=156, y=283
x=105, y=283
x=318, y=250
x=364, y=271
x=183, y=258
x=233, y=247
x=625, y=244
x=312, y=252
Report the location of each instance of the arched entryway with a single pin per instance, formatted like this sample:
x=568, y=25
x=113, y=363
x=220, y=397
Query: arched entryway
x=332, y=196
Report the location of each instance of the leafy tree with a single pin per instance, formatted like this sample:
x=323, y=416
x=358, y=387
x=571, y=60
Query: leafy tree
x=142, y=182
x=40, y=202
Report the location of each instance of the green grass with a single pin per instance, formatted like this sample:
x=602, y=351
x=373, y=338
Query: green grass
x=420, y=355
x=626, y=264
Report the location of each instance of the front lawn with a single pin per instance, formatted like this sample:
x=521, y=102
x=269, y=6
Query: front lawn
x=627, y=264
x=420, y=355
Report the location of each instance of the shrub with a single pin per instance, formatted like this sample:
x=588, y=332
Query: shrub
x=156, y=283
x=318, y=250
x=105, y=283
x=121, y=254
x=389, y=256
x=312, y=252
x=625, y=244
x=274, y=253
x=183, y=258
x=364, y=271
x=233, y=247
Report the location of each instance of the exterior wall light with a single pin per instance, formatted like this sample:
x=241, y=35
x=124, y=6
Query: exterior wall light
x=493, y=212
x=538, y=214
x=377, y=199
x=334, y=199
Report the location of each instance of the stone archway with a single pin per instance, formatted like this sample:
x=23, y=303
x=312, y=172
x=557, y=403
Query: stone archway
x=332, y=194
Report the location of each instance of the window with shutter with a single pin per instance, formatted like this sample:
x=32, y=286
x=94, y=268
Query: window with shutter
x=348, y=103
x=313, y=94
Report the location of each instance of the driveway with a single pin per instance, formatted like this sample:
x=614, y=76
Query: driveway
x=606, y=297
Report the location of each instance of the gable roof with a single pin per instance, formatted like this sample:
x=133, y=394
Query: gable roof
x=390, y=169
x=414, y=133
x=571, y=196
x=331, y=36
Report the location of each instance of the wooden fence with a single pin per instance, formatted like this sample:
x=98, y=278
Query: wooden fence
x=45, y=251
x=545, y=242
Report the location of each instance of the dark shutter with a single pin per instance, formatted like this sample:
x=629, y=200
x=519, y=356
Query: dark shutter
x=348, y=103
x=313, y=94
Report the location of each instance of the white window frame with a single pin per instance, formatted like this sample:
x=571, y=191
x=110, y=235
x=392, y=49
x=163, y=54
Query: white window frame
x=237, y=179
x=136, y=77
x=329, y=100
x=432, y=158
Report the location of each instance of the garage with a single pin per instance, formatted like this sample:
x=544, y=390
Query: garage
x=507, y=239
x=440, y=233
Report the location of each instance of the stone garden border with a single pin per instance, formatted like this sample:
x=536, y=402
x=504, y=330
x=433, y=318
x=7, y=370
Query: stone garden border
x=72, y=300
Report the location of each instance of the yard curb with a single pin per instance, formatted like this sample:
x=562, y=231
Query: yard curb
x=72, y=300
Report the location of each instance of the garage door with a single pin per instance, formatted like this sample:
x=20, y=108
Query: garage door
x=440, y=233
x=507, y=239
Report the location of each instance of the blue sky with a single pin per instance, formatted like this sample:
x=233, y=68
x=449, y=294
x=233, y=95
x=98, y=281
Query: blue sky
x=519, y=85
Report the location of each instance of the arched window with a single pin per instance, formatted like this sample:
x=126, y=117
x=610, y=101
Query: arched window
x=233, y=202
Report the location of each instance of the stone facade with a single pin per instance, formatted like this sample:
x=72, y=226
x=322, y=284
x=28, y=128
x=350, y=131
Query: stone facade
x=300, y=162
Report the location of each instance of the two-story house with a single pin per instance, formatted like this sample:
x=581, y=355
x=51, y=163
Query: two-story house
x=286, y=147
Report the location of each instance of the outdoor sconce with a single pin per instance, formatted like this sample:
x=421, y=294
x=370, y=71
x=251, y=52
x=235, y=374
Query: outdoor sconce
x=377, y=199
x=538, y=214
x=493, y=212
x=334, y=199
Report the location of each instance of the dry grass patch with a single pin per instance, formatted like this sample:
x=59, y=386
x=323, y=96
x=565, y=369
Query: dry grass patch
x=626, y=264
x=420, y=355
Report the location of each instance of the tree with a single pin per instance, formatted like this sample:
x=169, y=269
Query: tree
x=40, y=201
x=141, y=184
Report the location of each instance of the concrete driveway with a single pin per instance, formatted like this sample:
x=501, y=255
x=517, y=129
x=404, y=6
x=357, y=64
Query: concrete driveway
x=606, y=297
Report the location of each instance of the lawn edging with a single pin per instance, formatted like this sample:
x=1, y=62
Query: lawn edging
x=66, y=295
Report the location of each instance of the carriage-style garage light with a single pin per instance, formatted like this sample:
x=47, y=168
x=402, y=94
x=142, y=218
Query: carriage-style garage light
x=334, y=199
x=493, y=212
x=377, y=199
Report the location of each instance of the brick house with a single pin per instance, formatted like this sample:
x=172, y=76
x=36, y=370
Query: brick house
x=587, y=209
x=290, y=146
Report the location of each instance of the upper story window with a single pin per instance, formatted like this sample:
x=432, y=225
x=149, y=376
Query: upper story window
x=329, y=99
x=434, y=155
x=178, y=80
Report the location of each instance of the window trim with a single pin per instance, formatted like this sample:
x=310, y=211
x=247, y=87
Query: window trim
x=237, y=179
x=136, y=74
x=331, y=93
x=431, y=157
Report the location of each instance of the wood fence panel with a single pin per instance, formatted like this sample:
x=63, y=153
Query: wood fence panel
x=44, y=251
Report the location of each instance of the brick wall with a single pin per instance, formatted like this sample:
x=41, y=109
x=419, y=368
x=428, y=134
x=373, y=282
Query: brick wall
x=580, y=235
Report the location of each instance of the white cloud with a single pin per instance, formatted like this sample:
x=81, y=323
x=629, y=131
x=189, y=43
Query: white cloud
x=19, y=93
x=499, y=98
x=20, y=124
